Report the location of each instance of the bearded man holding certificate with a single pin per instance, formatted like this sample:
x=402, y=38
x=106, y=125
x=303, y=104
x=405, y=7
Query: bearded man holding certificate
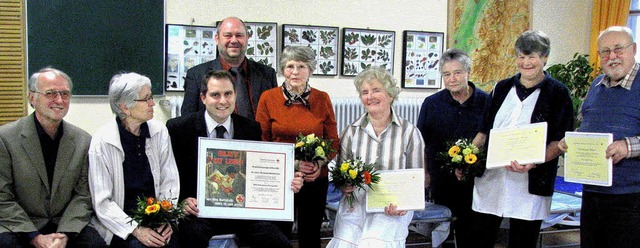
x=610, y=216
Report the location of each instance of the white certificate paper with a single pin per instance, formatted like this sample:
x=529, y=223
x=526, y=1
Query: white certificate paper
x=585, y=160
x=404, y=188
x=240, y=179
x=527, y=144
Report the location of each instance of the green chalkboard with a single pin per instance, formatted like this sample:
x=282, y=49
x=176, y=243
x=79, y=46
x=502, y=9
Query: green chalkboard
x=93, y=40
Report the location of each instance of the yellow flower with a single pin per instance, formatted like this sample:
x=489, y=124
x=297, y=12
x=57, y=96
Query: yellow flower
x=456, y=158
x=470, y=158
x=322, y=144
x=299, y=144
x=353, y=174
x=344, y=167
x=152, y=209
x=311, y=138
x=453, y=151
x=319, y=151
x=466, y=151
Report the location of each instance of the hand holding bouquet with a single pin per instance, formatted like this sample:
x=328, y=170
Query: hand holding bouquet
x=354, y=173
x=154, y=213
x=310, y=148
x=465, y=156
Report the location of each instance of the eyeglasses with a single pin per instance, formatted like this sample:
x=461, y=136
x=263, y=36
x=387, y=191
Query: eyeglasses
x=53, y=94
x=146, y=99
x=617, y=50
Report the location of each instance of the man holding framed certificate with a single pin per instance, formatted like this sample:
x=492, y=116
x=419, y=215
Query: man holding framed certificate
x=218, y=95
x=610, y=215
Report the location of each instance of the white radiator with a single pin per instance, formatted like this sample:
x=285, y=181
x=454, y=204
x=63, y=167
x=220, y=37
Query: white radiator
x=348, y=109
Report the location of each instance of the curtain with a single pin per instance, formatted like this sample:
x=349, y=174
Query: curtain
x=606, y=13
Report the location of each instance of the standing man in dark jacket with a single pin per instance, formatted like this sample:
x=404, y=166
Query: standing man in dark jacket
x=250, y=78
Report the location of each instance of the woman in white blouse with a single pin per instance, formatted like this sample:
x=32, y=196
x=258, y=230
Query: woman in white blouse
x=131, y=157
x=379, y=136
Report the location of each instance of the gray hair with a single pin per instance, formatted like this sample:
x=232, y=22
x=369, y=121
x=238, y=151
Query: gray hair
x=124, y=88
x=625, y=30
x=33, y=80
x=533, y=42
x=455, y=54
x=376, y=73
x=303, y=54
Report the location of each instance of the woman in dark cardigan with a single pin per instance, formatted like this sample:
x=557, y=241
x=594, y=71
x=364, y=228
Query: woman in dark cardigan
x=522, y=192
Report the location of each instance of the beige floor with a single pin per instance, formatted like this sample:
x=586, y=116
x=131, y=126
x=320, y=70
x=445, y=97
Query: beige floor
x=551, y=239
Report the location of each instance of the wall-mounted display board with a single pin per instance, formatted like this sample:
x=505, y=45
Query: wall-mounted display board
x=93, y=40
x=363, y=48
x=187, y=46
x=262, y=43
x=323, y=40
x=421, y=53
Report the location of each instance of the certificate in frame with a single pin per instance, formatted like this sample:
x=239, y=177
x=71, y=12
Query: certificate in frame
x=421, y=53
x=240, y=179
x=363, y=48
x=323, y=40
x=186, y=47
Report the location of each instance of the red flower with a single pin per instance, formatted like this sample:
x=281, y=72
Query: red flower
x=150, y=201
x=367, y=177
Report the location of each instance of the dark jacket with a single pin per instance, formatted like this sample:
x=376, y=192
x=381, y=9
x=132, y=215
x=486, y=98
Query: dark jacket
x=261, y=77
x=185, y=131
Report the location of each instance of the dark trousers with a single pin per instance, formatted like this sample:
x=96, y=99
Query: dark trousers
x=196, y=232
x=309, y=204
x=88, y=237
x=610, y=220
x=522, y=233
x=457, y=196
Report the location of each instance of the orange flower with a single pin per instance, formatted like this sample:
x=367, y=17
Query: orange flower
x=367, y=177
x=152, y=209
x=150, y=201
x=166, y=205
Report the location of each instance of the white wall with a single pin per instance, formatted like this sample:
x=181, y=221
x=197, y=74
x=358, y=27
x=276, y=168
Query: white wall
x=567, y=22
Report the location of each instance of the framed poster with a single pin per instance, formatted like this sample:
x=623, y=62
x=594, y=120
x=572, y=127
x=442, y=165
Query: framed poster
x=240, y=179
x=488, y=36
x=323, y=41
x=363, y=48
x=421, y=53
x=262, y=43
x=186, y=47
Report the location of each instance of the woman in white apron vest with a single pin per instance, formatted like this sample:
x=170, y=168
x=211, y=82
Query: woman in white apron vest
x=522, y=192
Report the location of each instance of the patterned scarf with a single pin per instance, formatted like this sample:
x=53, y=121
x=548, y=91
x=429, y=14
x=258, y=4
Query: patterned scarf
x=292, y=97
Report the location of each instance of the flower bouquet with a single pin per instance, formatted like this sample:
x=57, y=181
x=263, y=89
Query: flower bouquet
x=463, y=155
x=310, y=148
x=153, y=213
x=354, y=173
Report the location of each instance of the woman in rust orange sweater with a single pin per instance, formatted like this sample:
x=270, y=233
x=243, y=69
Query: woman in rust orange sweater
x=285, y=112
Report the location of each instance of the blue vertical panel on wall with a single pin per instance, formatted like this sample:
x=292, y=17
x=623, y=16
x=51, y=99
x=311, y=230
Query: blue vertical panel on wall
x=93, y=40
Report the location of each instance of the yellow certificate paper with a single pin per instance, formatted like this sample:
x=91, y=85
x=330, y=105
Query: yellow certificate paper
x=527, y=144
x=585, y=160
x=403, y=188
